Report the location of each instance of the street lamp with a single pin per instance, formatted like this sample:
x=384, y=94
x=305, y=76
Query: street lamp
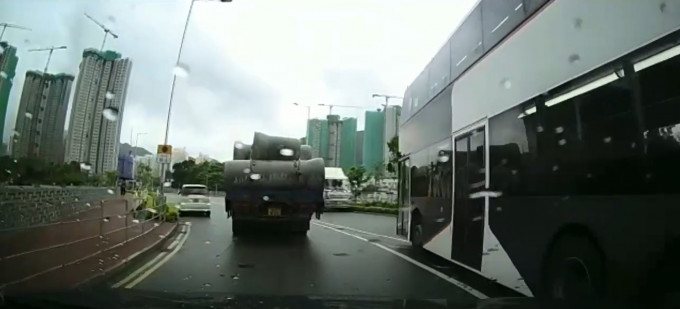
x=174, y=81
x=308, y=117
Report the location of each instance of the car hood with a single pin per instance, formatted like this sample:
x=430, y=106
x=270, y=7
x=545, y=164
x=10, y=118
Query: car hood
x=125, y=298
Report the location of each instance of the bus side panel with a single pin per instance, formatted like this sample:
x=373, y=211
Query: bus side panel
x=630, y=229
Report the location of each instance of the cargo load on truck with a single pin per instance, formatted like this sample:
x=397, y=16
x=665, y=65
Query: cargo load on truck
x=273, y=181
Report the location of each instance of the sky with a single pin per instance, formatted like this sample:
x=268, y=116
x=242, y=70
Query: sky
x=247, y=60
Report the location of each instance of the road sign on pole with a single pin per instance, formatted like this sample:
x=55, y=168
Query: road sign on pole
x=164, y=154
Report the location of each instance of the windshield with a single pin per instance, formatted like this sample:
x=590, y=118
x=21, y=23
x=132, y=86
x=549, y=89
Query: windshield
x=453, y=151
x=194, y=190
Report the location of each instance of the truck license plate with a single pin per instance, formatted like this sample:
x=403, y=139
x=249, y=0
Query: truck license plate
x=275, y=212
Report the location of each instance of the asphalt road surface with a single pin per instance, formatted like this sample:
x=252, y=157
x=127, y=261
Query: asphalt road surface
x=344, y=254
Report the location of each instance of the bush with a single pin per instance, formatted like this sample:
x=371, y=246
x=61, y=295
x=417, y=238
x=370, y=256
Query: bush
x=172, y=212
x=381, y=210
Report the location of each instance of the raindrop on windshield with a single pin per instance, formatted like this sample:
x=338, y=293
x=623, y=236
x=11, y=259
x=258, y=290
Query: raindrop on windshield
x=109, y=191
x=217, y=266
x=506, y=83
x=135, y=221
x=266, y=198
x=238, y=145
x=2, y=49
x=562, y=142
x=157, y=224
x=29, y=115
x=207, y=242
x=16, y=133
x=235, y=277
x=246, y=170
x=555, y=168
x=167, y=184
x=27, y=41
x=187, y=277
x=3, y=74
x=207, y=285
x=111, y=18
x=85, y=166
x=87, y=204
x=559, y=130
x=109, y=95
x=181, y=70
x=110, y=113
x=607, y=139
x=443, y=158
x=255, y=176
x=75, y=199
x=8, y=171
x=106, y=219
x=286, y=152
x=539, y=129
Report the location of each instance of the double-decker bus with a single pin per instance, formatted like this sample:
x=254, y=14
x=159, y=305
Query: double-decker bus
x=542, y=148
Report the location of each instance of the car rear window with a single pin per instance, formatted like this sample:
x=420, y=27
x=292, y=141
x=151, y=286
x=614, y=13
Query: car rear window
x=194, y=190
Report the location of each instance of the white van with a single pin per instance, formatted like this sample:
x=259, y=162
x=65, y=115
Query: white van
x=337, y=193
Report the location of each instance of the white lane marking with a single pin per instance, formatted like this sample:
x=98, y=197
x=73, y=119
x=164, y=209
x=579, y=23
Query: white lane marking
x=455, y=282
x=163, y=261
x=363, y=232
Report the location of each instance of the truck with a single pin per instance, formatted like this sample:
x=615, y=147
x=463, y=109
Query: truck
x=273, y=182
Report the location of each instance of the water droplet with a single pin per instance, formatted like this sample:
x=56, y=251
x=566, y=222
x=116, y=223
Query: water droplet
x=499, y=208
x=207, y=285
x=207, y=242
x=75, y=199
x=577, y=23
x=8, y=171
x=632, y=145
x=27, y=41
x=506, y=83
x=135, y=221
x=514, y=172
x=2, y=49
x=221, y=275
x=648, y=176
x=562, y=142
x=217, y=266
x=160, y=236
x=559, y=130
x=539, y=129
x=85, y=167
x=181, y=70
x=574, y=58
x=238, y=145
x=16, y=133
x=235, y=277
x=3, y=74
x=607, y=139
x=109, y=191
x=286, y=152
x=109, y=95
x=187, y=277
x=105, y=219
x=110, y=113
x=443, y=158
x=589, y=175
x=156, y=224
x=28, y=115
x=555, y=168
x=88, y=204
x=151, y=210
x=255, y=176
x=265, y=198
x=246, y=170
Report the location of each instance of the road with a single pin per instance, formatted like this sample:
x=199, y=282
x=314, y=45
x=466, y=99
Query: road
x=344, y=254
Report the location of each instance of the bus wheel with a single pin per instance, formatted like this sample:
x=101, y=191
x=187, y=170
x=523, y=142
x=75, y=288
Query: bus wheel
x=573, y=274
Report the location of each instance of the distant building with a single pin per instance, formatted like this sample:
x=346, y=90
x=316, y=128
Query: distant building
x=392, y=114
x=373, y=139
x=151, y=161
x=40, y=121
x=97, y=111
x=359, y=149
x=318, y=137
x=8, y=65
x=202, y=157
x=334, y=141
x=179, y=154
x=348, y=141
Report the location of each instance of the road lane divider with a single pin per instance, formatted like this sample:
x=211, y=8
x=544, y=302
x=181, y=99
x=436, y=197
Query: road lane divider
x=147, y=269
x=363, y=232
x=472, y=291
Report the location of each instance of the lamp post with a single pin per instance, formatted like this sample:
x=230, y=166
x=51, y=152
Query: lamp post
x=308, y=117
x=172, y=86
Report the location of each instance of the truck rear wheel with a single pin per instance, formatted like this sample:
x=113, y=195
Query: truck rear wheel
x=300, y=228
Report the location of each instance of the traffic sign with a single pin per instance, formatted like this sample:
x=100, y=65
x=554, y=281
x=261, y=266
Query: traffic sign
x=163, y=158
x=164, y=149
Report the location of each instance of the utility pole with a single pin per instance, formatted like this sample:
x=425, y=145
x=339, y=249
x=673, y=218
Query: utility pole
x=6, y=25
x=49, y=56
x=107, y=31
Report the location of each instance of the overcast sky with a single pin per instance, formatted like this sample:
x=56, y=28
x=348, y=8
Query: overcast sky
x=248, y=60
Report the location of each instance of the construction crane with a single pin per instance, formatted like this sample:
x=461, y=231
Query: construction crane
x=107, y=31
x=330, y=107
x=49, y=57
x=387, y=98
x=6, y=25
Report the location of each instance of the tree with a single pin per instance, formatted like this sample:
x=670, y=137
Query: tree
x=395, y=155
x=357, y=177
x=111, y=178
x=144, y=176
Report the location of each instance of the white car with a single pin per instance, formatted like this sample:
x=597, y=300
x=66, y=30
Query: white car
x=194, y=198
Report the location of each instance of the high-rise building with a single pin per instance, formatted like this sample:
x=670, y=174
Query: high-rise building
x=348, y=141
x=39, y=126
x=392, y=114
x=97, y=112
x=8, y=65
x=373, y=139
x=334, y=141
x=359, y=149
x=179, y=154
x=318, y=137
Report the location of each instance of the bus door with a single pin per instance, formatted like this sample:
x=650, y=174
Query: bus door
x=404, y=196
x=468, y=200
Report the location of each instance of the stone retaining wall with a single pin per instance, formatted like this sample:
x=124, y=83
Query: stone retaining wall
x=22, y=206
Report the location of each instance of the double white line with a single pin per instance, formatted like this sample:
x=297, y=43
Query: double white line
x=147, y=269
x=429, y=269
